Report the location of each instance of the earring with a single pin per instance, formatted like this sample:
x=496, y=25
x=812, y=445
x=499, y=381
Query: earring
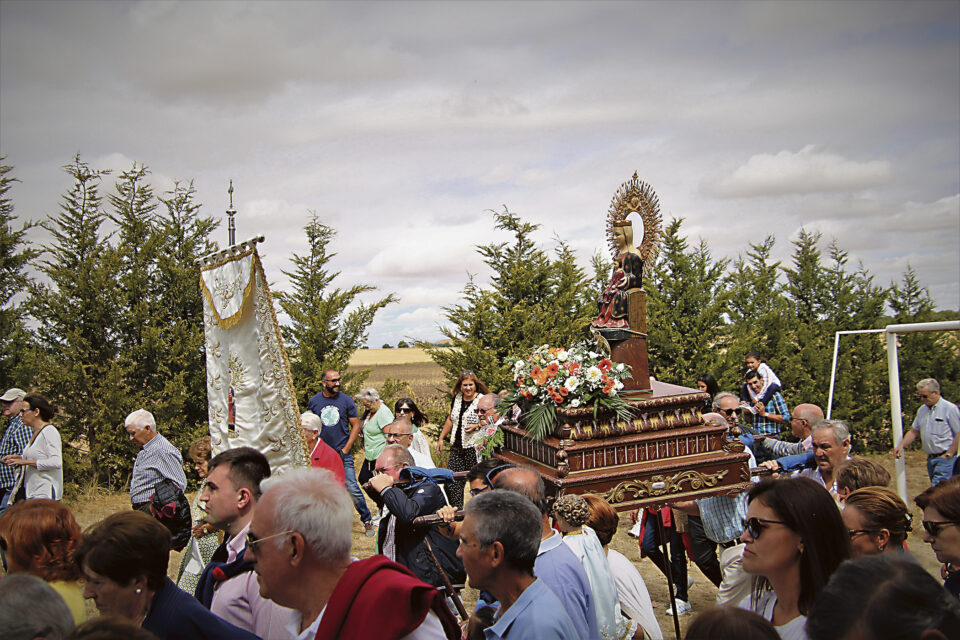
x=881, y=548
x=138, y=591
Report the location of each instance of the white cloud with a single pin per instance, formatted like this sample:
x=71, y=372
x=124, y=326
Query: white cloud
x=806, y=171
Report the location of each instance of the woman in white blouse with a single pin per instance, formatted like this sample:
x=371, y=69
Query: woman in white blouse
x=42, y=459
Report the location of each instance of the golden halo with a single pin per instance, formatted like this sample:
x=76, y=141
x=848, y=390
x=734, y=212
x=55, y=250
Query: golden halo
x=636, y=195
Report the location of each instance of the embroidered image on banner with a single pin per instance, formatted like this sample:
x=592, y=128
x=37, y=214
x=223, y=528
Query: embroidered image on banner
x=250, y=390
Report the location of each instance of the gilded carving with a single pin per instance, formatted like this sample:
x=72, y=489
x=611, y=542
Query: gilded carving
x=638, y=489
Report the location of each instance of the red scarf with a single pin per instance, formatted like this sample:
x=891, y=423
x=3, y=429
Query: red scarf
x=378, y=598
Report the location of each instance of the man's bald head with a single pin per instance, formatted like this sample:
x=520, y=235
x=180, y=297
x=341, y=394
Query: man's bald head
x=809, y=412
x=527, y=483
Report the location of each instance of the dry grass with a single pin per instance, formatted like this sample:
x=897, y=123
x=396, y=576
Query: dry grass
x=378, y=357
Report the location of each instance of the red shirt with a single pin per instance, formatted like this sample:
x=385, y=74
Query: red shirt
x=324, y=457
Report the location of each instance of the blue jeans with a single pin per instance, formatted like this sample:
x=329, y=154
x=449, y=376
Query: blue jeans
x=678, y=562
x=350, y=475
x=939, y=468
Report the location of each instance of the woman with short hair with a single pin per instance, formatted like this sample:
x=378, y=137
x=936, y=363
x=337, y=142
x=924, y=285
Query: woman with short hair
x=794, y=540
x=39, y=537
x=124, y=560
x=376, y=416
x=204, y=538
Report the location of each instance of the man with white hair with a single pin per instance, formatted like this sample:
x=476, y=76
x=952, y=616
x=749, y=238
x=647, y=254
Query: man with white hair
x=322, y=455
x=938, y=425
x=15, y=438
x=400, y=431
x=299, y=542
x=156, y=460
x=831, y=446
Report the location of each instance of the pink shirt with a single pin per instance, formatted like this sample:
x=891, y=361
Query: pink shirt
x=238, y=600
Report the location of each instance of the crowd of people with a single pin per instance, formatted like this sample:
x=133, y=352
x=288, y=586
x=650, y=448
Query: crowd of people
x=815, y=548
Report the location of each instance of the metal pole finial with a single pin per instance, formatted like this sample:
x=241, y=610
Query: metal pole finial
x=231, y=225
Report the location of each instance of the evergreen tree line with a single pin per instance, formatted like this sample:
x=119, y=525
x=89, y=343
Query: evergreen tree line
x=705, y=313
x=107, y=316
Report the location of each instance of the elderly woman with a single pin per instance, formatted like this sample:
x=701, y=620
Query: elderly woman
x=794, y=539
x=39, y=537
x=462, y=425
x=42, y=458
x=877, y=521
x=322, y=455
x=124, y=560
x=941, y=523
x=205, y=538
x=376, y=415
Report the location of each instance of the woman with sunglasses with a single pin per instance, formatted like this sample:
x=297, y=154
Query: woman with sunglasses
x=462, y=422
x=124, y=560
x=877, y=521
x=941, y=524
x=407, y=408
x=794, y=539
x=42, y=459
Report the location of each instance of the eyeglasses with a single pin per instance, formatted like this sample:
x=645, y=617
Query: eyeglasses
x=404, y=410
x=385, y=469
x=475, y=492
x=253, y=541
x=853, y=533
x=756, y=526
x=496, y=471
x=934, y=527
x=394, y=435
x=480, y=411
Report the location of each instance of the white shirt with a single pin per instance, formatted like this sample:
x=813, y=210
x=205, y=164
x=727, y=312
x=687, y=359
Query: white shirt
x=46, y=479
x=421, y=460
x=429, y=629
x=793, y=630
x=634, y=597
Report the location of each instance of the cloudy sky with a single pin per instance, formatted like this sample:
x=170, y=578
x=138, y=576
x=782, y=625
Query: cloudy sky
x=402, y=123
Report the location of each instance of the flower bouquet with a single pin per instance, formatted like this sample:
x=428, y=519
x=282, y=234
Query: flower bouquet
x=553, y=378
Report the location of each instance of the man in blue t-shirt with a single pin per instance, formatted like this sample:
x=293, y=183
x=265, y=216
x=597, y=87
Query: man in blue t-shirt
x=341, y=426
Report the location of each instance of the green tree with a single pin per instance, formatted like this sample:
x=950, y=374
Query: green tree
x=533, y=298
x=686, y=303
x=76, y=310
x=321, y=334
x=15, y=257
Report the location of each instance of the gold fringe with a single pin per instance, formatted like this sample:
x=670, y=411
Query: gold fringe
x=234, y=320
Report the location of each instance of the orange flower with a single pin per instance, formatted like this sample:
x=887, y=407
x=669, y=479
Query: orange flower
x=563, y=391
x=605, y=365
x=553, y=368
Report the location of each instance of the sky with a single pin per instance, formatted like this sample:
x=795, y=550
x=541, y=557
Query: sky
x=402, y=124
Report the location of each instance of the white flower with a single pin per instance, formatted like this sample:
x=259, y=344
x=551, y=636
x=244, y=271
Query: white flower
x=594, y=354
x=562, y=356
x=620, y=367
x=519, y=365
x=593, y=374
x=612, y=392
x=572, y=383
x=575, y=403
x=618, y=385
x=532, y=390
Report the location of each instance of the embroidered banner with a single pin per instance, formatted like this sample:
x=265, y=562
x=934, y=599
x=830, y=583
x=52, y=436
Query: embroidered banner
x=250, y=391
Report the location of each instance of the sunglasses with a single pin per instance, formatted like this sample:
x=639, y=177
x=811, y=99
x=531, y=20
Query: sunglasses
x=729, y=412
x=756, y=526
x=476, y=492
x=404, y=410
x=253, y=541
x=853, y=533
x=934, y=527
x=468, y=372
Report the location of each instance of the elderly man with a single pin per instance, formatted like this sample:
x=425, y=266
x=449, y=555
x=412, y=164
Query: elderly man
x=228, y=586
x=322, y=456
x=938, y=425
x=341, y=426
x=767, y=419
x=721, y=518
x=157, y=459
x=802, y=421
x=299, y=542
x=831, y=446
x=400, y=432
x=15, y=438
x=556, y=564
x=415, y=547
x=499, y=542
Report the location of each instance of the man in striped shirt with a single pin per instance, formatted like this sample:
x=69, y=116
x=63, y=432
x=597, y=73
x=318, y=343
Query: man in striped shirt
x=156, y=460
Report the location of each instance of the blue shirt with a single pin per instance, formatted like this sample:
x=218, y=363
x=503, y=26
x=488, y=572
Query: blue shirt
x=560, y=570
x=15, y=438
x=335, y=414
x=537, y=614
x=156, y=460
x=776, y=406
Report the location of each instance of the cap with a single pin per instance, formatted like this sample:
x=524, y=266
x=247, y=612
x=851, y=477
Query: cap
x=13, y=394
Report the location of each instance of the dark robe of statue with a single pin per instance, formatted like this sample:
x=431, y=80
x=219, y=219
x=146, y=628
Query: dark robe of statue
x=614, y=303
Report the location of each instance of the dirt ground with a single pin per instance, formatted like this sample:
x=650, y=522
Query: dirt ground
x=93, y=506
